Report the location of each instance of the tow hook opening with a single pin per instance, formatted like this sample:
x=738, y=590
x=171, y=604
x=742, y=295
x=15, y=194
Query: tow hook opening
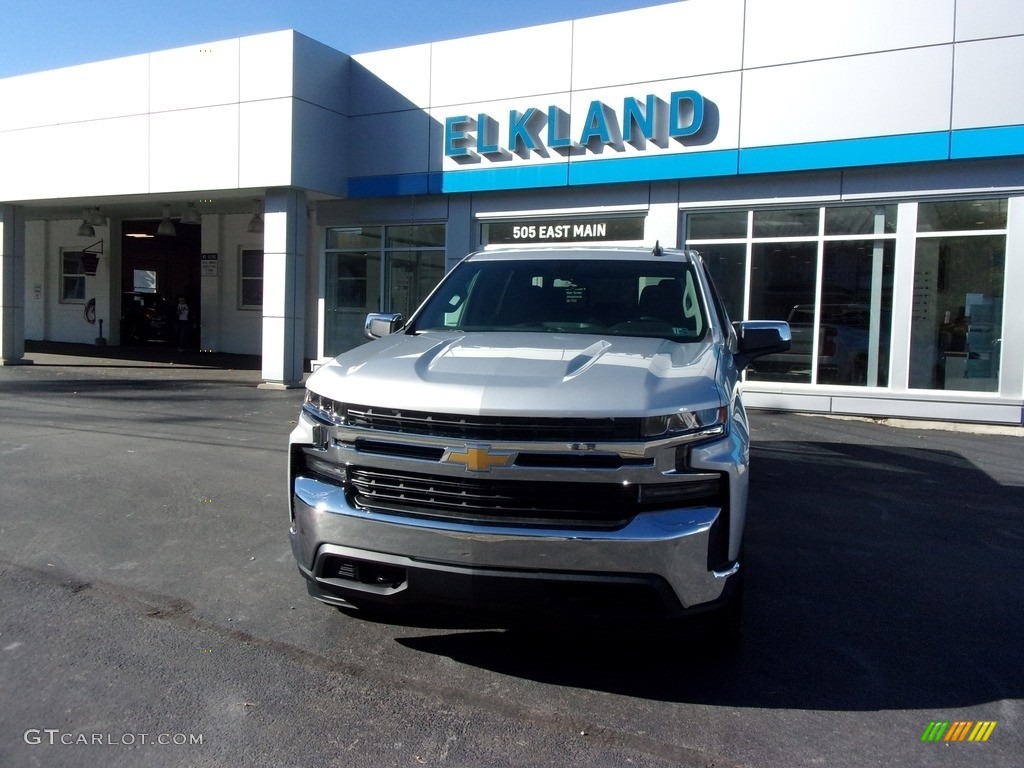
x=372, y=574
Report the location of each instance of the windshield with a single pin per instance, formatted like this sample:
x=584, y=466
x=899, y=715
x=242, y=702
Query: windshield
x=624, y=298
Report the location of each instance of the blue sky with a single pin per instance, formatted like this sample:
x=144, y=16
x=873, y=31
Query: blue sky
x=36, y=35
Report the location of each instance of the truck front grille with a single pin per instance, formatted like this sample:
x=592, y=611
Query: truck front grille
x=492, y=428
x=598, y=505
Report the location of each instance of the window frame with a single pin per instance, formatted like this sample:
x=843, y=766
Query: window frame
x=820, y=240
x=78, y=275
x=243, y=278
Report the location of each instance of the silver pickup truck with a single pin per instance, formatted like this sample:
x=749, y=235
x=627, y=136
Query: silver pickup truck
x=554, y=432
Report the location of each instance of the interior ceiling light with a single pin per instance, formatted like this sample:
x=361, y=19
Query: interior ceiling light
x=86, y=229
x=166, y=225
x=190, y=215
x=256, y=222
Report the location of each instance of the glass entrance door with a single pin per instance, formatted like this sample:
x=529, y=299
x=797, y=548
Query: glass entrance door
x=352, y=291
x=377, y=268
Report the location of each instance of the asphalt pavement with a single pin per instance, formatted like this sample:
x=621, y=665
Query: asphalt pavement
x=151, y=614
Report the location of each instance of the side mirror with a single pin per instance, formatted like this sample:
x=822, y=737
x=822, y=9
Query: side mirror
x=380, y=324
x=760, y=337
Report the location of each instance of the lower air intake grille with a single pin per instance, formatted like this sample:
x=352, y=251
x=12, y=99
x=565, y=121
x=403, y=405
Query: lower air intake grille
x=591, y=504
x=596, y=505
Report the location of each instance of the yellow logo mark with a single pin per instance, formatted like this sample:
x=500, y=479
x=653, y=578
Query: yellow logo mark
x=478, y=458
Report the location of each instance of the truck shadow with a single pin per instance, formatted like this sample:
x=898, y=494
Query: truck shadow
x=878, y=578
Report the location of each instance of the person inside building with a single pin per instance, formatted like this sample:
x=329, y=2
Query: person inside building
x=183, y=324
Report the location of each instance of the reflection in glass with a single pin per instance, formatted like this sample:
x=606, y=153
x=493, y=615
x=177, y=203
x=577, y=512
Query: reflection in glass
x=416, y=236
x=718, y=225
x=855, y=321
x=795, y=222
x=860, y=220
x=782, y=280
x=956, y=332
x=728, y=265
x=252, y=278
x=355, y=238
x=961, y=216
x=407, y=258
x=353, y=290
x=412, y=275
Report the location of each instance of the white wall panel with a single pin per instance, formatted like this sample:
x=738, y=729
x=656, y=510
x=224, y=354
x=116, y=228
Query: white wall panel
x=265, y=66
x=502, y=65
x=273, y=331
x=239, y=330
x=784, y=401
x=988, y=18
x=275, y=277
x=29, y=168
x=390, y=144
x=658, y=43
x=264, y=153
x=848, y=98
x=194, y=149
x=78, y=159
x=105, y=157
x=320, y=149
x=783, y=31
x=89, y=92
x=980, y=96
x=943, y=410
x=320, y=73
x=197, y=76
x=390, y=81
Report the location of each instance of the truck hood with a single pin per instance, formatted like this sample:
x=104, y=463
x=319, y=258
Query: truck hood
x=534, y=374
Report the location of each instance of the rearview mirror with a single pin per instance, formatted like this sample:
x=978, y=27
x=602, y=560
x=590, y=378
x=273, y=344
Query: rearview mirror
x=380, y=324
x=760, y=337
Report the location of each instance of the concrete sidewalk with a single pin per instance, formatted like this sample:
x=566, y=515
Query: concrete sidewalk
x=46, y=361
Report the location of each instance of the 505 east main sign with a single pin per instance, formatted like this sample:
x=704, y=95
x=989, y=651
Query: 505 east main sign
x=651, y=119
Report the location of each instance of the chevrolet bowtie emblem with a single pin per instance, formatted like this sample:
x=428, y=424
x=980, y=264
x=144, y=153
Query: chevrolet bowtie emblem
x=478, y=458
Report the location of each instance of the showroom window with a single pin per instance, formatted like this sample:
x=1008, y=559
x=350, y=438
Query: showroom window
x=828, y=271
x=959, y=268
x=251, y=278
x=377, y=269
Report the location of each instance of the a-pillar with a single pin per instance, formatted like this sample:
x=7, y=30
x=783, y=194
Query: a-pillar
x=12, y=286
x=285, y=235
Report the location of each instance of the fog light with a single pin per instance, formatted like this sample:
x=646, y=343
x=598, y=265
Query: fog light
x=328, y=469
x=706, y=491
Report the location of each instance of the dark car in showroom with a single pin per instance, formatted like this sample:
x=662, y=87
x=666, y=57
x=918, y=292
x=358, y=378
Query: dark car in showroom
x=146, y=317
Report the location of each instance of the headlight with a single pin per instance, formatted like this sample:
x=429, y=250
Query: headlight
x=323, y=409
x=704, y=423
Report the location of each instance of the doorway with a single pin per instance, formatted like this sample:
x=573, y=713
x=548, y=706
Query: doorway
x=155, y=270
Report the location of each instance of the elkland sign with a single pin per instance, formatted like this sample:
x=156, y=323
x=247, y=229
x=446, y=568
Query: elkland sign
x=470, y=138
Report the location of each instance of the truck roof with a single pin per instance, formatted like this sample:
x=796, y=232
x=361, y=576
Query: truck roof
x=582, y=253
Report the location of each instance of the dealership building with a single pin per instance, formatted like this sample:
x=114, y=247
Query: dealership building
x=856, y=169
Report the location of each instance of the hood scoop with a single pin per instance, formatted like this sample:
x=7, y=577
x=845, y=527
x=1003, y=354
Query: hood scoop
x=585, y=359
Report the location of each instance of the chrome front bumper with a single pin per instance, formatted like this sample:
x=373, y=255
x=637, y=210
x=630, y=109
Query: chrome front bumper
x=414, y=560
